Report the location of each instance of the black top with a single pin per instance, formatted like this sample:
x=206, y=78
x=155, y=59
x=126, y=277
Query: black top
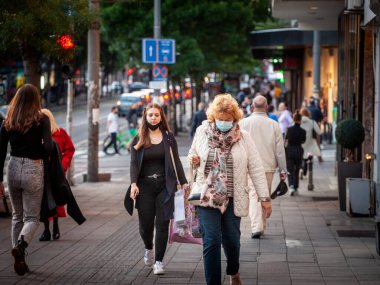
x=36, y=143
x=153, y=160
x=295, y=135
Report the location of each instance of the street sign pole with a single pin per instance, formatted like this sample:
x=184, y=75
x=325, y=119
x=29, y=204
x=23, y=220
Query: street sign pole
x=69, y=126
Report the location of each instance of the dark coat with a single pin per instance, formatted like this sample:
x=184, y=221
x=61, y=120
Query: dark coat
x=171, y=180
x=57, y=191
x=198, y=118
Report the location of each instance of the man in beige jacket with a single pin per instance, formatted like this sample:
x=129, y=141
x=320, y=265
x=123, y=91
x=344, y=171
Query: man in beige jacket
x=266, y=134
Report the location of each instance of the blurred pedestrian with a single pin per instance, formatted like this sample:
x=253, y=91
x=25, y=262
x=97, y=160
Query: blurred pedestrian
x=285, y=119
x=271, y=113
x=317, y=116
x=153, y=182
x=28, y=131
x=267, y=136
x=198, y=118
x=67, y=150
x=132, y=117
x=315, y=112
x=112, y=129
x=310, y=147
x=295, y=137
x=224, y=156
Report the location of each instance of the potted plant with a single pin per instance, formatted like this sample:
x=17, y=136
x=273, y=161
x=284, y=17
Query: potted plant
x=350, y=135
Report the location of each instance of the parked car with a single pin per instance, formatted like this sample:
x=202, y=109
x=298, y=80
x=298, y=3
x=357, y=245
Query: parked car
x=3, y=112
x=126, y=101
x=115, y=87
x=136, y=86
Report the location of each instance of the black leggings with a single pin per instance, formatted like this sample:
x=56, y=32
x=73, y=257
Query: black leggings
x=294, y=156
x=150, y=205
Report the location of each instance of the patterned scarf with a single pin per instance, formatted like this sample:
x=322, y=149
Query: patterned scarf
x=216, y=194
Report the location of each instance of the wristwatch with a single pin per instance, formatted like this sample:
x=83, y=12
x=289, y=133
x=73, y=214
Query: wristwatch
x=264, y=199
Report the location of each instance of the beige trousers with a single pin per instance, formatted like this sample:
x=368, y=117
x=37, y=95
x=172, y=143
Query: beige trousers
x=258, y=220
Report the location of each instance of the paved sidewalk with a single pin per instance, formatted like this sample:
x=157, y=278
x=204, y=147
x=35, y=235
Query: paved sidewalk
x=300, y=246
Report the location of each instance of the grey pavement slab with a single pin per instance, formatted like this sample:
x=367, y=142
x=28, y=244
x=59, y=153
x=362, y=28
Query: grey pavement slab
x=300, y=245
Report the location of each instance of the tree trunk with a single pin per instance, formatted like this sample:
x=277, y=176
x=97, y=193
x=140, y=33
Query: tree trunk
x=31, y=65
x=31, y=72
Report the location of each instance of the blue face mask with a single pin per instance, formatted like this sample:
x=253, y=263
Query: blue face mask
x=224, y=126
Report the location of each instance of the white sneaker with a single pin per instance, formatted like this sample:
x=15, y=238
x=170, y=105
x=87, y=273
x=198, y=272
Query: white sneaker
x=158, y=268
x=149, y=257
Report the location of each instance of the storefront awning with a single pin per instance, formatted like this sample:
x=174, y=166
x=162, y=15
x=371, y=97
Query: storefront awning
x=286, y=42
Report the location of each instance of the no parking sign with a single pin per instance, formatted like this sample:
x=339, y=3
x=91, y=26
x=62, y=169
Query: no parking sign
x=159, y=72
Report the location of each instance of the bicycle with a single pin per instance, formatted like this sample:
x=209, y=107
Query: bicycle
x=122, y=140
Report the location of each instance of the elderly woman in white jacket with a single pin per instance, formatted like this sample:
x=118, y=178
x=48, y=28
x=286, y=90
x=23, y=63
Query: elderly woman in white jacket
x=224, y=156
x=310, y=147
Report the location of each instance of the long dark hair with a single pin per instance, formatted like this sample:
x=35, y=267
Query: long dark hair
x=24, y=110
x=144, y=139
x=297, y=116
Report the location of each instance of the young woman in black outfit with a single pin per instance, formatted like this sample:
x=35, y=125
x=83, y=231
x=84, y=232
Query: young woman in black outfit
x=153, y=182
x=295, y=137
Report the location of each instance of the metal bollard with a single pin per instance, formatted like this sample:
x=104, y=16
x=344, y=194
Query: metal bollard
x=310, y=185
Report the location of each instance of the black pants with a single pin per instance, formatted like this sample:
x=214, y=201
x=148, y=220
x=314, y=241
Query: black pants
x=294, y=155
x=150, y=205
x=113, y=141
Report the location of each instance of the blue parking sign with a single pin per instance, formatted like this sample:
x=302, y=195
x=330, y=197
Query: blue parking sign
x=158, y=51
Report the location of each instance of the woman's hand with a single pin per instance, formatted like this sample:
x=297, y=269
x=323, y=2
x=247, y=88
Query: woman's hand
x=195, y=161
x=134, y=191
x=267, y=208
x=2, y=191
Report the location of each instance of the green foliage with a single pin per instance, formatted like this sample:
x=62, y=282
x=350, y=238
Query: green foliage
x=350, y=133
x=32, y=27
x=210, y=35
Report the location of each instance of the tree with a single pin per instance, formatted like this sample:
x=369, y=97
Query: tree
x=32, y=28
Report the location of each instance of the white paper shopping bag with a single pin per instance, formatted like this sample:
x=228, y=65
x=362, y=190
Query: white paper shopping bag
x=179, y=207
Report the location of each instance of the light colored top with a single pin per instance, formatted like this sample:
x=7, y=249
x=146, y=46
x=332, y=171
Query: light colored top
x=266, y=134
x=285, y=120
x=310, y=146
x=113, y=125
x=246, y=163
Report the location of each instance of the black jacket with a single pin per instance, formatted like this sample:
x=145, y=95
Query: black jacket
x=171, y=180
x=198, y=118
x=57, y=191
x=295, y=135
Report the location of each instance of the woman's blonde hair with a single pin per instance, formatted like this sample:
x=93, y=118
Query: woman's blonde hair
x=53, y=124
x=223, y=103
x=305, y=113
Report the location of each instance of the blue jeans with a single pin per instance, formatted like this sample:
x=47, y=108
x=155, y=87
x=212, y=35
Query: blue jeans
x=217, y=229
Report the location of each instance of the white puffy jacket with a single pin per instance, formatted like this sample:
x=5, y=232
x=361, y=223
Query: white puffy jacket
x=246, y=161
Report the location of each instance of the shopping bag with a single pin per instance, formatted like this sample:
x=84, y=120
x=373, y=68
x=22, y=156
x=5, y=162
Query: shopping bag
x=189, y=231
x=179, y=207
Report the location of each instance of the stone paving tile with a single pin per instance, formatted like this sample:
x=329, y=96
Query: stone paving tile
x=340, y=281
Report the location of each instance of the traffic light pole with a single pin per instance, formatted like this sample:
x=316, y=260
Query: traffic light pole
x=93, y=62
x=69, y=126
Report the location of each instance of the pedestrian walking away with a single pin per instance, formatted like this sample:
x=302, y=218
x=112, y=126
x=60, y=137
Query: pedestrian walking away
x=153, y=182
x=112, y=129
x=285, y=118
x=223, y=156
x=67, y=150
x=267, y=136
x=295, y=137
x=29, y=133
x=310, y=147
x=198, y=118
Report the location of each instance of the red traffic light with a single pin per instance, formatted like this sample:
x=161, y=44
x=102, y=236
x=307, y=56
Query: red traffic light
x=66, y=42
